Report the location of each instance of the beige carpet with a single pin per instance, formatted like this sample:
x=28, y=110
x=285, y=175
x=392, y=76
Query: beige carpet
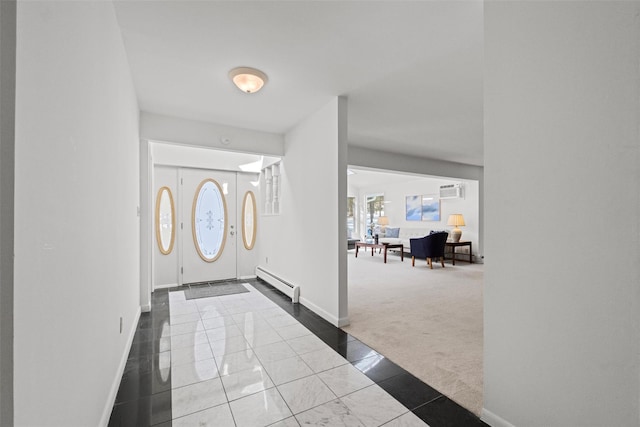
x=427, y=321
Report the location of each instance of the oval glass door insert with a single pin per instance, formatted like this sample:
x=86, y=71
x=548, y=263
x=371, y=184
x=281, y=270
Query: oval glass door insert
x=249, y=225
x=165, y=220
x=209, y=220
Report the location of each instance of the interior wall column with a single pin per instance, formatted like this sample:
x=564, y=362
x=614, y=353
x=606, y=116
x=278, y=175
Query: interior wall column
x=562, y=158
x=342, y=154
x=7, y=179
x=146, y=225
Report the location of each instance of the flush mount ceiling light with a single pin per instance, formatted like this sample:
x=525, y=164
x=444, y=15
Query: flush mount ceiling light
x=248, y=80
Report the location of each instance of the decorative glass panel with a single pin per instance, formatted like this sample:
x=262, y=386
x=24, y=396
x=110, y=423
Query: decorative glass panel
x=165, y=220
x=249, y=220
x=209, y=220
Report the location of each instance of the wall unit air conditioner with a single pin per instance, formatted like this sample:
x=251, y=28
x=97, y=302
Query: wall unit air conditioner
x=451, y=191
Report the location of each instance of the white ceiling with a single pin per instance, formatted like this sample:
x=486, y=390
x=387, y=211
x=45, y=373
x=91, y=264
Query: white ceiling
x=412, y=70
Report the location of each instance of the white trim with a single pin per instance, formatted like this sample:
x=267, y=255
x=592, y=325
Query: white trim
x=493, y=419
x=111, y=399
x=170, y=285
x=293, y=291
x=343, y=321
x=324, y=314
x=146, y=308
x=247, y=277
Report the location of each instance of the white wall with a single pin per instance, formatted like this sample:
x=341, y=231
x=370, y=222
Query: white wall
x=7, y=169
x=395, y=209
x=76, y=228
x=306, y=243
x=562, y=312
x=191, y=132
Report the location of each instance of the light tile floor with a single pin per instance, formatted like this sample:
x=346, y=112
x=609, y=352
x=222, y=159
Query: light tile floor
x=255, y=359
x=240, y=360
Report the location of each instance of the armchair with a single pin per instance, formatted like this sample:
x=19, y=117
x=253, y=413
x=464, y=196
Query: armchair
x=428, y=247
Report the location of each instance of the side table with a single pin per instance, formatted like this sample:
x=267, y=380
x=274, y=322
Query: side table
x=454, y=245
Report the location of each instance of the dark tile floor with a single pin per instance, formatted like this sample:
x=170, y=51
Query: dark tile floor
x=144, y=397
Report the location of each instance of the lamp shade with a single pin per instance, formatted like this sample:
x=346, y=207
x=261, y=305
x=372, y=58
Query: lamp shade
x=248, y=80
x=383, y=220
x=456, y=220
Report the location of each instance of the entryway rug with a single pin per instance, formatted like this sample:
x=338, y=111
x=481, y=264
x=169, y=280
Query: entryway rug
x=212, y=289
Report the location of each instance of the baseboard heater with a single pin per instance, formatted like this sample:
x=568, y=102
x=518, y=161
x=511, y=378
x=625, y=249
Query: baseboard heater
x=290, y=290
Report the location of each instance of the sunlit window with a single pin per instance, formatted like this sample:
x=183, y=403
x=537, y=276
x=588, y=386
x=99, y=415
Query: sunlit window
x=375, y=209
x=351, y=216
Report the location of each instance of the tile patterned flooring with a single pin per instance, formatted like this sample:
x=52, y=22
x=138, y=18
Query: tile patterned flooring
x=255, y=359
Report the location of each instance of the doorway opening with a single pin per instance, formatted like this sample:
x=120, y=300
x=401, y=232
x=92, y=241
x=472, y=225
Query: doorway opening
x=404, y=311
x=215, y=229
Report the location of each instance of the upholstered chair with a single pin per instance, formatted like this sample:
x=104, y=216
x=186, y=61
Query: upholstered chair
x=429, y=247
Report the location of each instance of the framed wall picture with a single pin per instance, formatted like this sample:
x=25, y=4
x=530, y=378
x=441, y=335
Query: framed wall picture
x=430, y=207
x=414, y=208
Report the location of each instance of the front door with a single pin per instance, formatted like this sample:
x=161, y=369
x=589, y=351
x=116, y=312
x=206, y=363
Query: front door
x=208, y=216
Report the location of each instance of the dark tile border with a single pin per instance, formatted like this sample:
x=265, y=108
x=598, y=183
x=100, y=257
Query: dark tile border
x=409, y=390
x=444, y=412
x=427, y=403
x=144, y=395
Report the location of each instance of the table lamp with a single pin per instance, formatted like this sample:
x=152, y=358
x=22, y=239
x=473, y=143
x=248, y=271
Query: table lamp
x=383, y=221
x=456, y=220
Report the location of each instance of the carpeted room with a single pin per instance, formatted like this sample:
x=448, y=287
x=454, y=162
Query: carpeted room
x=430, y=322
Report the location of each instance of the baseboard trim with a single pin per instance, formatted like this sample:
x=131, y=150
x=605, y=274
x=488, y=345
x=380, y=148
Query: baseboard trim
x=478, y=260
x=247, y=277
x=343, y=321
x=494, y=420
x=293, y=291
x=111, y=400
x=339, y=322
x=170, y=285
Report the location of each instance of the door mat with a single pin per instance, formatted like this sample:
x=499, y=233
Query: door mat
x=206, y=290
